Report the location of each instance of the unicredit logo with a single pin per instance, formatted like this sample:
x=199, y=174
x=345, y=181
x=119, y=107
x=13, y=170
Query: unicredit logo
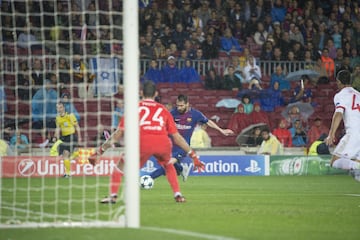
x=26, y=167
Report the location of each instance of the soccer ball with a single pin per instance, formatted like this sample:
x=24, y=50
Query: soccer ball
x=146, y=182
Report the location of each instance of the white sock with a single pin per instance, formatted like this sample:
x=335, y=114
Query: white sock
x=345, y=163
x=177, y=194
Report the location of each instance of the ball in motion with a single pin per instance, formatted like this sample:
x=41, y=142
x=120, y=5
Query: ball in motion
x=146, y=182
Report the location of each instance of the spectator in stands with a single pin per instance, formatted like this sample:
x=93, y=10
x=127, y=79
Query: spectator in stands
x=146, y=48
x=251, y=70
x=69, y=106
x=267, y=52
x=316, y=130
x=27, y=40
x=323, y=75
x=239, y=120
x=246, y=102
x=259, y=116
x=200, y=138
x=194, y=21
x=295, y=114
x=159, y=49
x=278, y=11
x=189, y=48
x=255, y=139
x=333, y=51
x=238, y=14
x=170, y=72
x=166, y=36
x=283, y=134
x=229, y=43
x=298, y=134
x=279, y=76
x=232, y=80
x=251, y=26
x=213, y=23
x=320, y=37
x=260, y=35
x=319, y=16
x=43, y=108
x=37, y=74
x=209, y=47
x=204, y=12
x=328, y=63
x=79, y=70
x=212, y=80
x=271, y=98
x=179, y=36
x=356, y=77
x=270, y=144
x=19, y=142
x=7, y=26
x=153, y=73
x=303, y=92
x=188, y=73
x=24, y=82
x=236, y=65
x=64, y=71
x=238, y=31
x=285, y=44
x=354, y=58
x=244, y=56
x=296, y=35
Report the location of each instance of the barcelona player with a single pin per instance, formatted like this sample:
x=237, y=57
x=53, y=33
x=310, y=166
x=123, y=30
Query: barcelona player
x=186, y=118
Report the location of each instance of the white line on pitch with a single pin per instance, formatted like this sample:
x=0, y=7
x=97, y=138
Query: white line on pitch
x=353, y=195
x=189, y=233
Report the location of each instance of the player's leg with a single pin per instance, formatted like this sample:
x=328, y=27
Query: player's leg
x=158, y=173
x=64, y=150
x=115, y=181
x=182, y=170
x=345, y=151
x=67, y=163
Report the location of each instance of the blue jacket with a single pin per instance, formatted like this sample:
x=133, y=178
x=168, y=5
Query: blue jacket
x=44, y=104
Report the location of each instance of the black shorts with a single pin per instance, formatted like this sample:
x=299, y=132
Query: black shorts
x=69, y=143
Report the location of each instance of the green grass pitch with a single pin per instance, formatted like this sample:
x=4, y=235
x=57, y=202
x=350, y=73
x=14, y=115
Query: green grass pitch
x=294, y=207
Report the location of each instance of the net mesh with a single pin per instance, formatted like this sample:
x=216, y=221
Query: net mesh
x=73, y=48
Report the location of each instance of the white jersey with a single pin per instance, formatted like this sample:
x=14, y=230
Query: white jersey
x=347, y=102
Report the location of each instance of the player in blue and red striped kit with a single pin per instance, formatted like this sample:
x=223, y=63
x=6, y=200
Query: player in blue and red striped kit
x=186, y=118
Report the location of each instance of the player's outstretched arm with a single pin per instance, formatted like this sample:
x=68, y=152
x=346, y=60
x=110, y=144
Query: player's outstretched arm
x=93, y=159
x=226, y=132
x=181, y=142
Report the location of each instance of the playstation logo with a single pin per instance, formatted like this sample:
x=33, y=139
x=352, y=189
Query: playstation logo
x=254, y=167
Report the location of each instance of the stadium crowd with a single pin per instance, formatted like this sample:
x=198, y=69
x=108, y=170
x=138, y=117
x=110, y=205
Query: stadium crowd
x=258, y=43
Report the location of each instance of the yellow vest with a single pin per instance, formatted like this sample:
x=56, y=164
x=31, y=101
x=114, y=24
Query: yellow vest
x=66, y=123
x=313, y=147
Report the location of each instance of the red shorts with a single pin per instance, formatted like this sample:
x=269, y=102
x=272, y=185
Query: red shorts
x=158, y=146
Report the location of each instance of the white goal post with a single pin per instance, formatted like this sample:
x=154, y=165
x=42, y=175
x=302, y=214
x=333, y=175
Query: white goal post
x=105, y=36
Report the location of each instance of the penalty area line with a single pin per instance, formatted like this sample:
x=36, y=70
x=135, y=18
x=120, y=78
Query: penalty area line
x=189, y=233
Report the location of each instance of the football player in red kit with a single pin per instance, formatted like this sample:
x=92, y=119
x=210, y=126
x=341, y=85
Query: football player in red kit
x=156, y=125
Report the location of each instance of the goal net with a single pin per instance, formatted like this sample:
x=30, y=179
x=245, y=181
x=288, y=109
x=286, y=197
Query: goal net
x=69, y=51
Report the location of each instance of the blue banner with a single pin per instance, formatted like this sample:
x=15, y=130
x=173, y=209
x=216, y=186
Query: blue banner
x=222, y=165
